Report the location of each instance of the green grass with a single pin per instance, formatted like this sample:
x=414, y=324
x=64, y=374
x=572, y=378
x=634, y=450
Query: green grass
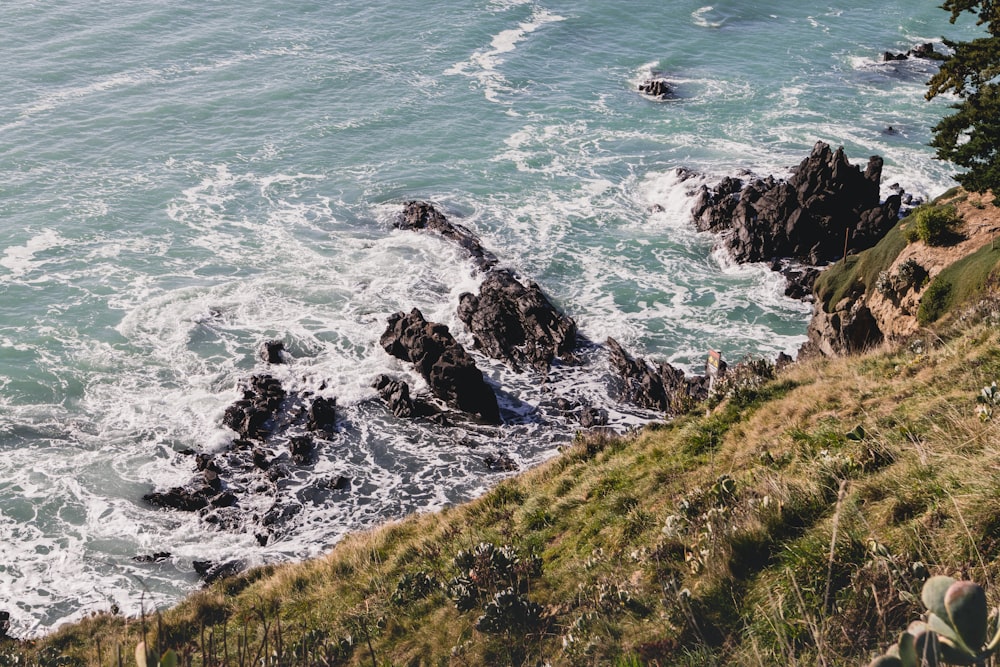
x=960, y=283
x=860, y=271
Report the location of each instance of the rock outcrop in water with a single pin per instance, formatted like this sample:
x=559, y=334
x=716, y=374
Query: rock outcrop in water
x=278, y=431
x=450, y=372
x=510, y=320
x=808, y=217
x=657, y=87
x=925, y=51
x=516, y=322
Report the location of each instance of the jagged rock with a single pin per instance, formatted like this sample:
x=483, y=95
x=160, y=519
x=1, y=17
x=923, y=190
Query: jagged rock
x=273, y=352
x=783, y=361
x=322, y=414
x=396, y=395
x=211, y=572
x=661, y=387
x=262, y=397
x=4, y=624
x=659, y=88
x=800, y=281
x=422, y=215
x=925, y=51
x=516, y=323
x=848, y=329
x=805, y=217
x=303, y=449
x=450, y=372
x=184, y=499
x=591, y=417
x=500, y=462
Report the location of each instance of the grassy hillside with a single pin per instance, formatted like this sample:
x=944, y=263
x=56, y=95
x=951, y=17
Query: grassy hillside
x=793, y=522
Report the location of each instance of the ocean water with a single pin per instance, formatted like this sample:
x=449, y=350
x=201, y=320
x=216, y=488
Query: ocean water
x=181, y=181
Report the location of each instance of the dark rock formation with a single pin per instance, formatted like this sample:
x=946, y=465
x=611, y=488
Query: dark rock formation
x=800, y=280
x=211, y=572
x=448, y=369
x=421, y=215
x=278, y=431
x=849, y=328
x=806, y=217
x=925, y=51
x=322, y=414
x=660, y=387
x=273, y=352
x=157, y=557
x=658, y=88
x=591, y=417
x=516, y=323
x=190, y=498
x=396, y=395
x=262, y=397
x=500, y=462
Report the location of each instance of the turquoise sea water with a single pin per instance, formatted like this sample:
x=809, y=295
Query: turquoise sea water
x=181, y=181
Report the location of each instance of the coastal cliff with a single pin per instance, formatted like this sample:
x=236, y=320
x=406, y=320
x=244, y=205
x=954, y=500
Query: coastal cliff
x=885, y=294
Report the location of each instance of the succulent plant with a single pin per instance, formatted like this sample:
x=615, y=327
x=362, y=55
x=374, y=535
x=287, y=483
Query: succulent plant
x=954, y=631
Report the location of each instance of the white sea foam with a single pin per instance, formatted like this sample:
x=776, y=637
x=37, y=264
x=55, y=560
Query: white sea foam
x=483, y=66
x=19, y=260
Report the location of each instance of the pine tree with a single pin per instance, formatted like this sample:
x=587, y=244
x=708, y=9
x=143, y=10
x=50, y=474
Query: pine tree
x=971, y=137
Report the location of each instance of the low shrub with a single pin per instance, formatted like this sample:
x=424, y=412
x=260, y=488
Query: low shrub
x=935, y=225
x=935, y=301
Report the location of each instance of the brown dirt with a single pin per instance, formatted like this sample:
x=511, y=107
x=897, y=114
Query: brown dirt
x=980, y=226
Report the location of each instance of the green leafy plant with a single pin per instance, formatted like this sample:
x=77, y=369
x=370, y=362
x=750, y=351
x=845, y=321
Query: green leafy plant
x=935, y=225
x=935, y=301
x=954, y=631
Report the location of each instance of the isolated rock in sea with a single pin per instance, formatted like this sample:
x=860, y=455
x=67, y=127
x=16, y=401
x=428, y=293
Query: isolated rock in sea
x=660, y=387
x=807, y=217
x=417, y=215
x=450, y=372
x=516, y=322
x=592, y=416
x=273, y=352
x=925, y=51
x=500, y=461
x=658, y=88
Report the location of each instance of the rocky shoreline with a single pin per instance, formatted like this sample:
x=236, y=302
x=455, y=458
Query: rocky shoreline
x=794, y=224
